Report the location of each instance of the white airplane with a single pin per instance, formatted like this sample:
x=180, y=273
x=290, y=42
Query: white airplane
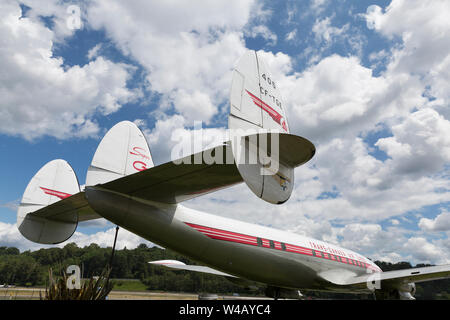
x=123, y=186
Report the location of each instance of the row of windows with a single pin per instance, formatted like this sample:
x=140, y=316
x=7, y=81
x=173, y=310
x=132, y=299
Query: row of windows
x=281, y=246
x=270, y=244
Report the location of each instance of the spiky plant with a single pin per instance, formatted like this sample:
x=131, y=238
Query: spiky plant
x=96, y=288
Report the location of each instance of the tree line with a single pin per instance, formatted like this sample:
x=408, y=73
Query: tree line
x=30, y=268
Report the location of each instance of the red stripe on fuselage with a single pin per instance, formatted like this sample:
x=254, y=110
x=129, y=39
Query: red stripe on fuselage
x=235, y=237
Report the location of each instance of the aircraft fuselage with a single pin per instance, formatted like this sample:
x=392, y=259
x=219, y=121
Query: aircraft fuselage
x=245, y=250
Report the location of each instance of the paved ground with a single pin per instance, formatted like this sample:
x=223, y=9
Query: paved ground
x=33, y=294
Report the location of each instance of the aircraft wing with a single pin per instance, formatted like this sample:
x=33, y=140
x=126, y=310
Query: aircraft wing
x=404, y=276
x=180, y=180
x=175, y=264
x=397, y=279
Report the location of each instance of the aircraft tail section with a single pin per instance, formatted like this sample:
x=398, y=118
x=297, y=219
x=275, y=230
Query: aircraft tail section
x=262, y=146
x=53, y=204
x=255, y=99
x=53, y=182
x=261, y=151
x=122, y=151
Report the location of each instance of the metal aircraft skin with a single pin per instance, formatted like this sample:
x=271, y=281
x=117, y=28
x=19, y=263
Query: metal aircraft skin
x=124, y=187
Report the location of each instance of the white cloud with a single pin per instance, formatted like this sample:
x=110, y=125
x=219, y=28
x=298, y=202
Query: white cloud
x=65, y=20
x=11, y=237
x=194, y=105
x=365, y=237
x=41, y=96
x=264, y=32
x=290, y=36
x=12, y=205
x=374, y=17
x=440, y=223
x=93, y=52
x=323, y=30
x=318, y=5
x=423, y=28
x=188, y=49
x=338, y=96
x=426, y=252
x=105, y=239
x=420, y=145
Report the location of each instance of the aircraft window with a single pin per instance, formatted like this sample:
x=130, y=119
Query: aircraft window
x=283, y=246
x=272, y=245
x=259, y=241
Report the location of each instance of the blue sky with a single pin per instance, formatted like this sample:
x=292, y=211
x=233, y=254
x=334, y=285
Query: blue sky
x=365, y=81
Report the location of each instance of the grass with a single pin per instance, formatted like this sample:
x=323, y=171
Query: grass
x=128, y=285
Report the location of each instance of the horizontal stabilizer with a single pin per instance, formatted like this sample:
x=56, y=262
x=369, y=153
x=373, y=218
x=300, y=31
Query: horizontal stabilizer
x=214, y=169
x=184, y=179
x=180, y=180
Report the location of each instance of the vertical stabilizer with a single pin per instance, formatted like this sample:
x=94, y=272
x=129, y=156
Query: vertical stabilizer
x=255, y=97
x=53, y=182
x=262, y=145
x=122, y=151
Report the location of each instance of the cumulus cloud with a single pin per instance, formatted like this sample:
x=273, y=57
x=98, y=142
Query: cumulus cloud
x=11, y=237
x=290, y=36
x=440, y=223
x=420, y=145
x=41, y=96
x=125, y=238
x=324, y=31
x=264, y=32
x=188, y=60
x=426, y=252
x=424, y=49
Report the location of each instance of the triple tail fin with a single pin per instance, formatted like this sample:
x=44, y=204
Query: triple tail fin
x=256, y=107
x=53, y=182
x=122, y=151
x=52, y=203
